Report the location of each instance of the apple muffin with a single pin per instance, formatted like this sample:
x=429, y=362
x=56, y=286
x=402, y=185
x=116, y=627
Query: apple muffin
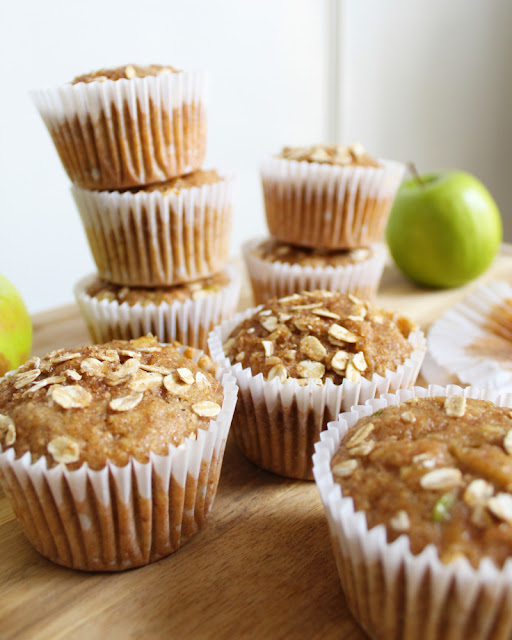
x=161, y=235
x=111, y=454
x=444, y=522
x=186, y=313
x=277, y=269
x=328, y=197
x=300, y=359
x=127, y=126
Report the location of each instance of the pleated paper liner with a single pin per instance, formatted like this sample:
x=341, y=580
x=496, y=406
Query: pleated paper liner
x=188, y=322
x=152, y=238
x=473, y=339
x=119, y=517
x=124, y=133
x=280, y=279
x=393, y=594
x=277, y=424
x=328, y=207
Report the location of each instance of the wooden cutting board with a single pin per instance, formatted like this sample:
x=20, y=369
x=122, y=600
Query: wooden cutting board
x=262, y=566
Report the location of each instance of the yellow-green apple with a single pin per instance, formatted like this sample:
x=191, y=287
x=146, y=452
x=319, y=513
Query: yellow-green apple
x=15, y=327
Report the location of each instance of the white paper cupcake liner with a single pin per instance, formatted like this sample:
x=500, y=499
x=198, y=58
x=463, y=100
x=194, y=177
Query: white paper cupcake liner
x=188, y=322
x=124, y=133
x=328, y=207
x=454, y=338
x=155, y=239
x=119, y=517
x=280, y=279
x=393, y=594
x=276, y=424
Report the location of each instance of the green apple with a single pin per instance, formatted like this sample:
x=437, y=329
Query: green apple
x=15, y=328
x=444, y=228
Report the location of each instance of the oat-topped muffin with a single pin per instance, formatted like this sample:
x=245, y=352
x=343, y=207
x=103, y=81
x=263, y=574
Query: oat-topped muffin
x=175, y=185
x=186, y=313
x=127, y=126
x=272, y=250
x=107, y=402
x=299, y=360
x=416, y=488
x=111, y=454
x=127, y=72
x=320, y=336
x=354, y=155
x=328, y=197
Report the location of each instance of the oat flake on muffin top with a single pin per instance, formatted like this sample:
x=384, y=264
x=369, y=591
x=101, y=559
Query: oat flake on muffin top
x=106, y=402
x=320, y=335
x=446, y=464
x=354, y=155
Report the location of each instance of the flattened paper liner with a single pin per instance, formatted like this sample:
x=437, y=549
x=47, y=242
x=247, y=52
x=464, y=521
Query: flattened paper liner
x=280, y=279
x=125, y=133
x=325, y=206
x=152, y=239
x=393, y=594
x=119, y=517
x=188, y=322
x=276, y=424
x=468, y=343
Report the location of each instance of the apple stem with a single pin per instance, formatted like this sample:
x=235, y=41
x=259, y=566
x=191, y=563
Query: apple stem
x=416, y=175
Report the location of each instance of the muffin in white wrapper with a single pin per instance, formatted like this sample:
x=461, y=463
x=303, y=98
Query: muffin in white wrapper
x=278, y=278
x=473, y=339
x=188, y=321
x=117, y=134
x=325, y=206
x=392, y=593
x=153, y=238
x=118, y=518
x=277, y=423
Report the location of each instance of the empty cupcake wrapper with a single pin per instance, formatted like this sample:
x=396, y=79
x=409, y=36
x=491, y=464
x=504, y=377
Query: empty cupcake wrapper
x=328, y=207
x=280, y=279
x=119, y=517
x=188, y=322
x=393, y=594
x=124, y=133
x=151, y=239
x=276, y=424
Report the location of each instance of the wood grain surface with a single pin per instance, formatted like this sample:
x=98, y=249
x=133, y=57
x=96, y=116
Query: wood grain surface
x=262, y=566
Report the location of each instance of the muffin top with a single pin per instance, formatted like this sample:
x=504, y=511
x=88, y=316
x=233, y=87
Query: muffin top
x=103, y=290
x=354, y=155
x=128, y=72
x=320, y=335
x=194, y=179
x=272, y=250
x=107, y=402
x=446, y=464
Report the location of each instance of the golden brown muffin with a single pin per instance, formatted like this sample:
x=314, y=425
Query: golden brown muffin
x=336, y=154
x=320, y=335
x=446, y=465
x=116, y=401
x=127, y=72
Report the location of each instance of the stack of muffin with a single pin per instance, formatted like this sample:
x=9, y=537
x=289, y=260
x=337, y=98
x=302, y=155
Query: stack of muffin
x=326, y=208
x=132, y=140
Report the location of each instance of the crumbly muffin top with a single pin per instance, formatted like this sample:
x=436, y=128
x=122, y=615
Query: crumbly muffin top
x=195, y=179
x=107, y=402
x=320, y=335
x=103, y=290
x=446, y=464
x=272, y=250
x=128, y=72
x=353, y=154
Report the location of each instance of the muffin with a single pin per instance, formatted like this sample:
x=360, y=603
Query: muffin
x=186, y=313
x=429, y=556
x=161, y=235
x=328, y=197
x=277, y=269
x=128, y=126
x=299, y=360
x=111, y=454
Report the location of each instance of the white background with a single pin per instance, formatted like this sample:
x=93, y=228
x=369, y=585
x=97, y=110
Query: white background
x=423, y=80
